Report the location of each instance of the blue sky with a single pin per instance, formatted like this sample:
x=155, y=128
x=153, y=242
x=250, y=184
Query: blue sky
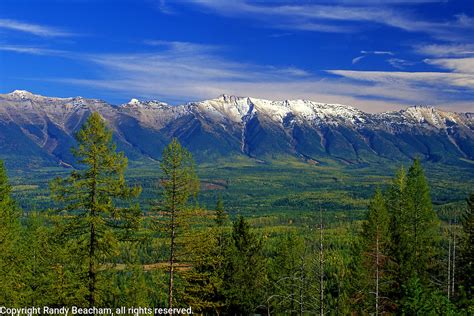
x=373, y=54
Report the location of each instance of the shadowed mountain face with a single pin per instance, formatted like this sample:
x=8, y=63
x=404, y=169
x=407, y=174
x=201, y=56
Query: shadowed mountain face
x=37, y=130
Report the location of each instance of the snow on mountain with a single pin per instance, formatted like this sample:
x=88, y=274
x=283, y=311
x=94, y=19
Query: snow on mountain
x=236, y=108
x=242, y=125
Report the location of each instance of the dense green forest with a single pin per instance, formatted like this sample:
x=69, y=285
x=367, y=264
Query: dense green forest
x=98, y=247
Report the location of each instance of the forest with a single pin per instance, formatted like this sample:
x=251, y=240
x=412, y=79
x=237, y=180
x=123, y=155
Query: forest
x=98, y=247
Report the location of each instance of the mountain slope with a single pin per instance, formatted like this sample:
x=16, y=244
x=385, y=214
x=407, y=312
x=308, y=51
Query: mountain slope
x=37, y=130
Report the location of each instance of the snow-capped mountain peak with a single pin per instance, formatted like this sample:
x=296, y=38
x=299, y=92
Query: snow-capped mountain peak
x=22, y=94
x=241, y=125
x=133, y=101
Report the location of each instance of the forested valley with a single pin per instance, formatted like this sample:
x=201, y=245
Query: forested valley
x=97, y=247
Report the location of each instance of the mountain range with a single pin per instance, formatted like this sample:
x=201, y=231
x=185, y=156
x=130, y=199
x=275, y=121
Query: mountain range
x=39, y=131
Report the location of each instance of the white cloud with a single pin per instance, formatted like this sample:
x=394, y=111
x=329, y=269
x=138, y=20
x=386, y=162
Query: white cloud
x=32, y=50
x=445, y=50
x=377, y=52
x=400, y=63
x=357, y=59
x=341, y=16
x=366, y=53
x=458, y=65
x=179, y=72
x=34, y=29
x=397, y=78
x=193, y=74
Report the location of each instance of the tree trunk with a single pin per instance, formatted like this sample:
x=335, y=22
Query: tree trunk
x=92, y=273
x=171, y=271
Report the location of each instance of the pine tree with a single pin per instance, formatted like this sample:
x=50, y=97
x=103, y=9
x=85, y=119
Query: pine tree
x=10, y=254
x=467, y=252
x=376, y=241
x=179, y=183
x=204, y=280
x=397, y=206
x=414, y=230
x=288, y=275
x=221, y=215
x=420, y=237
x=245, y=274
x=93, y=225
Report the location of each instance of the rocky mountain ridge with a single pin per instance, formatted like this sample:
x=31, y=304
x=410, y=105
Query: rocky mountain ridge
x=42, y=128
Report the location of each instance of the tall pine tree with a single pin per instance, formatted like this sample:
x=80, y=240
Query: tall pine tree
x=11, y=289
x=92, y=223
x=179, y=183
x=376, y=244
x=245, y=276
x=467, y=253
x=420, y=234
x=414, y=231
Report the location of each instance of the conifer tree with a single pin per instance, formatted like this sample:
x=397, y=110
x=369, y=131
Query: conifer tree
x=204, y=280
x=221, y=216
x=10, y=254
x=467, y=251
x=414, y=230
x=376, y=236
x=179, y=183
x=289, y=276
x=420, y=235
x=245, y=274
x=93, y=225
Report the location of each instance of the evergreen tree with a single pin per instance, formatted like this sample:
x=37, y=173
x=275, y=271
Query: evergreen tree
x=179, y=182
x=467, y=253
x=93, y=225
x=376, y=243
x=11, y=283
x=245, y=274
x=289, y=276
x=397, y=206
x=420, y=234
x=221, y=215
x=414, y=230
x=204, y=280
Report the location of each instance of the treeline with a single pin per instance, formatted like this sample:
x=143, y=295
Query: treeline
x=97, y=248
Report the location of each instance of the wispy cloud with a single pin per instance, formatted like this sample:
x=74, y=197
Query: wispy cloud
x=434, y=79
x=192, y=74
x=183, y=71
x=400, y=63
x=179, y=47
x=340, y=16
x=32, y=50
x=445, y=50
x=34, y=29
x=366, y=53
x=457, y=65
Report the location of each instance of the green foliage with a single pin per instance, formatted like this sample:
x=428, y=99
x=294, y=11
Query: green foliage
x=204, y=280
x=245, y=270
x=376, y=252
x=271, y=261
x=179, y=182
x=414, y=226
x=92, y=226
x=221, y=215
x=420, y=232
x=418, y=300
x=11, y=287
x=467, y=254
x=288, y=274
